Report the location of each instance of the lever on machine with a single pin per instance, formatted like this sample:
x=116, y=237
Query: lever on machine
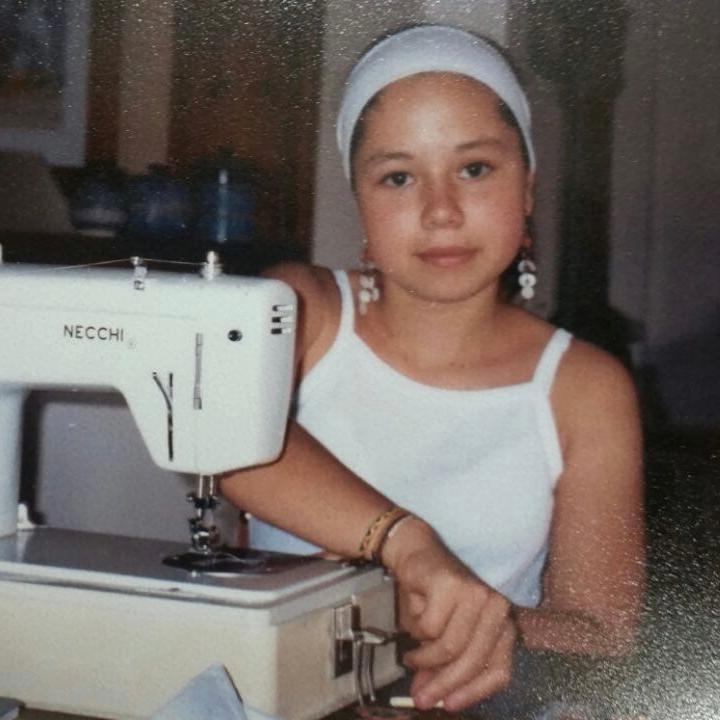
x=362, y=642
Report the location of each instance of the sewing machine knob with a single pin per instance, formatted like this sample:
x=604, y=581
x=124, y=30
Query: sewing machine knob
x=212, y=267
x=235, y=335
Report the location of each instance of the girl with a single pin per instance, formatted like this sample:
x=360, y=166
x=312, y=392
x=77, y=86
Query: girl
x=422, y=388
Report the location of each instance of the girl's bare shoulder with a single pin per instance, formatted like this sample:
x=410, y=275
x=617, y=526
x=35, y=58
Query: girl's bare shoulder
x=593, y=389
x=309, y=281
x=586, y=365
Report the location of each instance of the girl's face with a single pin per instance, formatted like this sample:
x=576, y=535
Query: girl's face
x=442, y=187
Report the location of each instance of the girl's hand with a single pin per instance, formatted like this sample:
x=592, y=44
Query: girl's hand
x=465, y=632
x=482, y=683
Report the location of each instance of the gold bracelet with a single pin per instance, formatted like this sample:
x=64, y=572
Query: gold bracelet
x=375, y=531
x=389, y=531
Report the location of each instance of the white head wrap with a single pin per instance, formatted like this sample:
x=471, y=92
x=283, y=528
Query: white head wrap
x=429, y=48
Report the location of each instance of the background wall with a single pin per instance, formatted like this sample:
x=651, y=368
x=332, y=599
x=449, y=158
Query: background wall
x=666, y=203
x=145, y=84
x=666, y=199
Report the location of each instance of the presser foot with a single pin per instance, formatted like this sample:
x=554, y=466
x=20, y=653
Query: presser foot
x=207, y=556
x=236, y=561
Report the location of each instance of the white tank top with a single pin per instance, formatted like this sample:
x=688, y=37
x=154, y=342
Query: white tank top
x=479, y=465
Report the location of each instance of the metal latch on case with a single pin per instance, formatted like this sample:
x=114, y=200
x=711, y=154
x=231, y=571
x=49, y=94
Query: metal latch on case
x=354, y=649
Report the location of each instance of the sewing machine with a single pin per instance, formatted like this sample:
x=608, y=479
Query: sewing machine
x=113, y=626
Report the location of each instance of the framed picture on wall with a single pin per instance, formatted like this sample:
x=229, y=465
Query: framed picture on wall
x=43, y=78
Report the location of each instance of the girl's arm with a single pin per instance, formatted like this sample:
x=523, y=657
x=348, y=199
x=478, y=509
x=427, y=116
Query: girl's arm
x=595, y=577
x=307, y=491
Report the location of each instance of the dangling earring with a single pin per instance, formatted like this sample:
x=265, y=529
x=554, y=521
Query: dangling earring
x=527, y=270
x=369, y=291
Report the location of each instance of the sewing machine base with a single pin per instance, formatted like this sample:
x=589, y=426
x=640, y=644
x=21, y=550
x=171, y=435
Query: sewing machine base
x=98, y=625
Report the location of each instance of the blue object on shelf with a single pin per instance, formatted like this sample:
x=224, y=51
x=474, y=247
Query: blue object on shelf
x=224, y=202
x=158, y=206
x=97, y=206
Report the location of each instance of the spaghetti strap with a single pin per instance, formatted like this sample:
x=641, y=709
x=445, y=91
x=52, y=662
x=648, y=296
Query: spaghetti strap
x=347, y=308
x=550, y=360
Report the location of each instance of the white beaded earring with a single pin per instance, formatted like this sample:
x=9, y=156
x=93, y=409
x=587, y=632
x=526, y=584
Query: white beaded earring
x=527, y=278
x=369, y=291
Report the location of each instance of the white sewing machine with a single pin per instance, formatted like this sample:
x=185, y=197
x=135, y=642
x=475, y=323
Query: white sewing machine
x=113, y=626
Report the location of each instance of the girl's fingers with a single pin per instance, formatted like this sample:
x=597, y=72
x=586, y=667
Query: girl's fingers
x=494, y=678
x=466, y=619
x=426, y=614
x=482, y=669
x=420, y=679
x=410, y=609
